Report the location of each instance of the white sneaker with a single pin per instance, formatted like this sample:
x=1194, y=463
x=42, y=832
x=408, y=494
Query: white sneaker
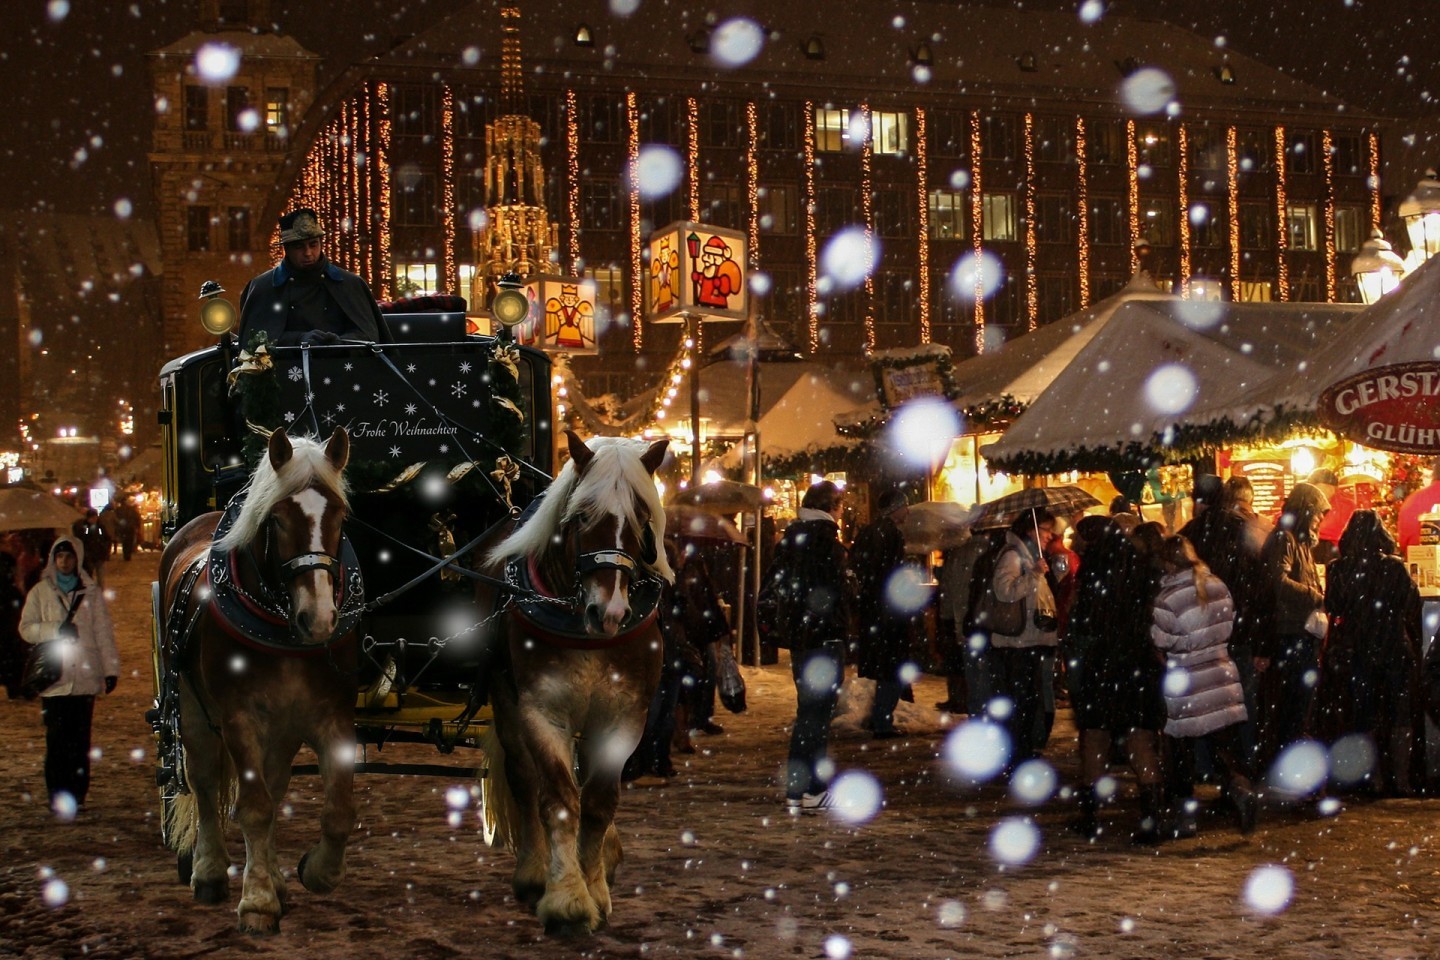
x=815, y=801
x=794, y=804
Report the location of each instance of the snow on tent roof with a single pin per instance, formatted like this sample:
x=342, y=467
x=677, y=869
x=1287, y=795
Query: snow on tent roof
x=1100, y=411
x=1025, y=366
x=1400, y=328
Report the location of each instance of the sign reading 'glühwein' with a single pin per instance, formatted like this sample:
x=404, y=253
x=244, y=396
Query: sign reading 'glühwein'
x=1395, y=408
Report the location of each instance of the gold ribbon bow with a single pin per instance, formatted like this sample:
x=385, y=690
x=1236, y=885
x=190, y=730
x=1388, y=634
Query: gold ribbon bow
x=507, y=356
x=505, y=473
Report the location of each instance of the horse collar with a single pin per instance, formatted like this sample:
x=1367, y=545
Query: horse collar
x=560, y=623
x=260, y=623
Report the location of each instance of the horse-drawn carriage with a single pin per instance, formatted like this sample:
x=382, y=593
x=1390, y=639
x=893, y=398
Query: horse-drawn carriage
x=309, y=581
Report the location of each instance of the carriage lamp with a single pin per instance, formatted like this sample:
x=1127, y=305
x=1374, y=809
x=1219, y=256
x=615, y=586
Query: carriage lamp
x=511, y=306
x=1376, y=268
x=1421, y=213
x=217, y=315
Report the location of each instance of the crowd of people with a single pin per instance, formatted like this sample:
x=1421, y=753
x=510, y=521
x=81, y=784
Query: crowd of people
x=1190, y=654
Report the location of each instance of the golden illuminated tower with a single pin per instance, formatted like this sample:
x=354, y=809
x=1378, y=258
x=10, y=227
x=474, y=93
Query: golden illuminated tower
x=519, y=236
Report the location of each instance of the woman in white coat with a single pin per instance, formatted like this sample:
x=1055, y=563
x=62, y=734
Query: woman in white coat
x=66, y=607
x=1193, y=616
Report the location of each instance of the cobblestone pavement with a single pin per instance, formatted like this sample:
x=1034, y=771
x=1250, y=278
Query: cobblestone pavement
x=714, y=866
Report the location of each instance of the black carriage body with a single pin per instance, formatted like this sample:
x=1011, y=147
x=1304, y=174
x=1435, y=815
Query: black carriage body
x=423, y=444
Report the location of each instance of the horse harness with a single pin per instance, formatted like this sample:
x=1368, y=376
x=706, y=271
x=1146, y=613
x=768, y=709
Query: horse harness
x=558, y=620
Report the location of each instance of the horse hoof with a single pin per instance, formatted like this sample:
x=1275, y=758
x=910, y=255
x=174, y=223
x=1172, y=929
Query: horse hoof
x=529, y=895
x=312, y=883
x=567, y=929
x=259, y=924
x=212, y=891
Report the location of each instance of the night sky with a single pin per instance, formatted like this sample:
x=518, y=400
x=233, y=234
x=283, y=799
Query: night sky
x=78, y=112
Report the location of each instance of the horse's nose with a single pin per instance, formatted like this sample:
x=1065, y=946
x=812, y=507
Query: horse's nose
x=302, y=623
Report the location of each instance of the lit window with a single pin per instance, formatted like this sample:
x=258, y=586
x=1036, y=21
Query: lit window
x=1351, y=228
x=999, y=216
x=277, y=110
x=416, y=279
x=1304, y=226
x=949, y=213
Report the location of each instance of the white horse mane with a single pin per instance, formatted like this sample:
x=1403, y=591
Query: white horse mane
x=611, y=482
x=307, y=468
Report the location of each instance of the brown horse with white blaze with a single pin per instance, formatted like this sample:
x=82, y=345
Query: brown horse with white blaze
x=579, y=661
x=262, y=643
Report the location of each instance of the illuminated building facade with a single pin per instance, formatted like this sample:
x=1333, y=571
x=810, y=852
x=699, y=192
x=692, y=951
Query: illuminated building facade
x=937, y=131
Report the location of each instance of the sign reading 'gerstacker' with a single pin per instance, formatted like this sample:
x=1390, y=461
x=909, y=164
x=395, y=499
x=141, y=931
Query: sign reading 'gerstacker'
x=1395, y=408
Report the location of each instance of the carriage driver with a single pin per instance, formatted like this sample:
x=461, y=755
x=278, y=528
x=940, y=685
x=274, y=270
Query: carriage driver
x=306, y=298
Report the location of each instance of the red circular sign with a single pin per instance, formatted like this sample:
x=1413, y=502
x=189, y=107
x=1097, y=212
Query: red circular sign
x=1395, y=408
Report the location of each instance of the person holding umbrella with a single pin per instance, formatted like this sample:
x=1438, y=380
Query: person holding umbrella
x=1023, y=664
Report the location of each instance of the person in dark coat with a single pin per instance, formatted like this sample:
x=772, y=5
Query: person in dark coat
x=1370, y=672
x=877, y=554
x=1228, y=537
x=705, y=626
x=1112, y=670
x=12, y=648
x=92, y=536
x=807, y=576
x=652, y=754
x=1292, y=649
x=306, y=298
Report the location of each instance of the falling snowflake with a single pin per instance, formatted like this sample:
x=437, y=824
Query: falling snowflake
x=349, y=367
x=409, y=368
x=465, y=367
x=457, y=389
x=381, y=398
x=475, y=403
x=394, y=451
x=295, y=374
x=409, y=409
x=289, y=416
x=431, y=381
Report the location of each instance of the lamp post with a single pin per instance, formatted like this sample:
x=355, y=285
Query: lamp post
x=1376, y=268
x=1421, y=213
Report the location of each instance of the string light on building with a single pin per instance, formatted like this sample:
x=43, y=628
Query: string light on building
x=867, y=211
x=1182, y=172
x=381, y=162
x=1132, y=179
x=451, y=280
x=572, y=178
x=364, y=176
x=812, y=298
x=1372, y=180
x=977, y=229
x=1032, y=294
x=1327, y=159
x=1082, y=205
x=752, y=179
x=1282, y=221
x=692, y=154
x=1232, y=206
x=632, y=164
x=922, y=216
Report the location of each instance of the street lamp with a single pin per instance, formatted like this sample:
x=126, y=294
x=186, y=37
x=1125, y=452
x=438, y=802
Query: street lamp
x=1376, y=268
x=1421, y=213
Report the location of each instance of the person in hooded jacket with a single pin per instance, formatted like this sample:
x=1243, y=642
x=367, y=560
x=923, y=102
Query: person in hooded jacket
x=1192, y=619
x=808, y=578
x=1292, y=649
x=1370, y=672
x=66, y=607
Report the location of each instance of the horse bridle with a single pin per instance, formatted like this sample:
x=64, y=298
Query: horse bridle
x=290, y=569
x=611, y=558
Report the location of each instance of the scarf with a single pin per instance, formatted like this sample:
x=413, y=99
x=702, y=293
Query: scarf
x=67, y=582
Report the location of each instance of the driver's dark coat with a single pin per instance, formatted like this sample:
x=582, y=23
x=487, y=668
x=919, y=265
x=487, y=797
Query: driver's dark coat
x=265, y=305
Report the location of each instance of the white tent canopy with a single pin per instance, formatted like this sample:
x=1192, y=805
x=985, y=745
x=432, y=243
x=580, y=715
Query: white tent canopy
x=1025, y=366
x=1403, y=326
x=1155, y=362
x=798, y=403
